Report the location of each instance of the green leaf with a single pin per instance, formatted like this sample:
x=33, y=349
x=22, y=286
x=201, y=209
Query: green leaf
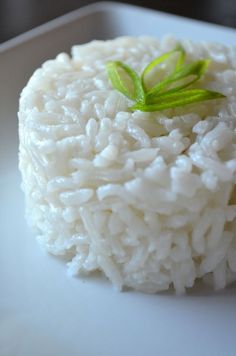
x=170, y=92
x=190, y=73
x=157, y=61
x=181, y=58
x=114, y=70
x=177, y=99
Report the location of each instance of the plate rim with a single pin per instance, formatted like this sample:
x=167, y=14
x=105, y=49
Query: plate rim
x=99, y=6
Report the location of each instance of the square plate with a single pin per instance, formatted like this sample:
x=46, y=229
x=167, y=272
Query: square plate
x=42, y=311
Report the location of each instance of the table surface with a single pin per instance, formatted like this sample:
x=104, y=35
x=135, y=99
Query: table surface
x=35, y=12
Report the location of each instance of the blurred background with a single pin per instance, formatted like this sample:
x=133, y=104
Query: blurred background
x=18, y=16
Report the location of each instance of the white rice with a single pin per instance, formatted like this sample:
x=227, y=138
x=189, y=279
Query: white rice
x=147, y=198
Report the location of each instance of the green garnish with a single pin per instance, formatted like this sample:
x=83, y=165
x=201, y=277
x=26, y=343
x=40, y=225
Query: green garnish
x=168, y=92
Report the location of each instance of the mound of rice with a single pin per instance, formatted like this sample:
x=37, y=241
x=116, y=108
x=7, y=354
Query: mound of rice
x=147, y=198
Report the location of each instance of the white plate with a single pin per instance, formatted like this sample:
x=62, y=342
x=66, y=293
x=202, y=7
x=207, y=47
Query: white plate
x=42, y=311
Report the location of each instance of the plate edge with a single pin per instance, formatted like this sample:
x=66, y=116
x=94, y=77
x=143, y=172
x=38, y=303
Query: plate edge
x=93, y=8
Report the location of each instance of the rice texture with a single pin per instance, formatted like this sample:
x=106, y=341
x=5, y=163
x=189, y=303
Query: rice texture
x=147, y=198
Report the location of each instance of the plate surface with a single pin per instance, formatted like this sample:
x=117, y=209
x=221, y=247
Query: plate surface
x=43, y=312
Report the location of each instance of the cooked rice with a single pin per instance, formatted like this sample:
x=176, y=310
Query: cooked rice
x=147, y=198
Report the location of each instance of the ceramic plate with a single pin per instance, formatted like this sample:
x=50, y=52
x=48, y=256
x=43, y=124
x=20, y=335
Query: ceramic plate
x=43, y=312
